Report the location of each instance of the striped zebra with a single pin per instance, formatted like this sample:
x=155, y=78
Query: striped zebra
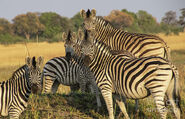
x=14, y=93
x=140, y=45
x=133, y=78
x=68, y=70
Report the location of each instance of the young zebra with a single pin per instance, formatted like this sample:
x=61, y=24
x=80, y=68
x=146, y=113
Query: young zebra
x=133, y=78
x=14, y=93
x=68, y=70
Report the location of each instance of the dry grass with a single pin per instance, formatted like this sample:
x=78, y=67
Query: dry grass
x=175, y=42
x=13, y=55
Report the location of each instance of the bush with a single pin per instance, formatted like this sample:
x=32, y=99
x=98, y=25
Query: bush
x=10, y=39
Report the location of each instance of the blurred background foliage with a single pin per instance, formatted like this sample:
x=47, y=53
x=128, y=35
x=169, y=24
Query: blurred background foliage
x=48, y=26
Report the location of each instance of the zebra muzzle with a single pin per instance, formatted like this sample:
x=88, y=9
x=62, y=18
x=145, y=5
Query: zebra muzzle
x=35, y=89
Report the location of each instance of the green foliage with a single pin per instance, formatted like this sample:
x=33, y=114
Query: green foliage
x=77, y=21
x=54, y=24
x=5, y=26
x=10, y=39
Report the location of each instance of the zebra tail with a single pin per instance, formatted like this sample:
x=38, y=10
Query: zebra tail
x=42, y=81
x=176, y=91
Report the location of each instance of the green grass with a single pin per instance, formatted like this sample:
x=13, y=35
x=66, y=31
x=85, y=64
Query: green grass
x=65, y=105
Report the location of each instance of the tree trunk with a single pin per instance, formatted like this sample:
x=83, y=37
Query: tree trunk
x=37, y=38
x=27, y=36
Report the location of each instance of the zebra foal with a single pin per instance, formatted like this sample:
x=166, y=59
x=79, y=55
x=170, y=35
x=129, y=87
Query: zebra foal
x=14, y=93
x=68, y=70
x=133, y=78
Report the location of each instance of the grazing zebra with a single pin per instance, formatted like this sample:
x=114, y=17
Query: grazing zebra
x=133, y=78
x=14, y=93
x=68, y=70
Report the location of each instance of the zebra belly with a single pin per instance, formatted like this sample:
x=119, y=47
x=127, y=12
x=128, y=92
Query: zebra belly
x=69, y=81
x=136, y=93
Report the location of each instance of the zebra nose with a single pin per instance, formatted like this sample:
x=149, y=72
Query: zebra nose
x=35, y=89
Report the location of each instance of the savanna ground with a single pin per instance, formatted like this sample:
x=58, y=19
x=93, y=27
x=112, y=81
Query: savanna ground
x=65, y=105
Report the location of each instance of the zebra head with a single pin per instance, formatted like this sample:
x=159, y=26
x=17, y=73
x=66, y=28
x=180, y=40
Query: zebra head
x=89, y=19
x=87, y=44
x=70, y=41
x=34, y=73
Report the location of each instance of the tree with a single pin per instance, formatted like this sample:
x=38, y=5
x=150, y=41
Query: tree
x=182, y=18
x=170, y=18
x=5, y=26
x=147, y=22
x=27, y=25
x=54, y=24
x=77, y=21
x=119, y=19
x=135, y=26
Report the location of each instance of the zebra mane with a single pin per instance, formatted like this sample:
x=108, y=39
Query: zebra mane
x=15, y=72
x=88, y=13
x=34, y=62
x=122, y=52
x=68, y=35
x=105, y=22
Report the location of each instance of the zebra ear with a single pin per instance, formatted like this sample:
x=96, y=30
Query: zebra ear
x=74, y=37
x=83, y=13
x=28, y=61
x=64, y=36
x=93, y=13
x=80, y=34
x=91, y=35
x=40, y=61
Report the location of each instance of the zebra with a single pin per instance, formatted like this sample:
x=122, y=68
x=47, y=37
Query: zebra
x=140, y=45
x=14, y=93
x=133, y=78
x=68, y=70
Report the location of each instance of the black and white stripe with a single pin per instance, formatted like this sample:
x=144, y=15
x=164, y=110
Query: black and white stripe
x=133, y=78
x=14, y=93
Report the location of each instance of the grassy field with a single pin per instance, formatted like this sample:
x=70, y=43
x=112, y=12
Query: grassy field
x=81, y=106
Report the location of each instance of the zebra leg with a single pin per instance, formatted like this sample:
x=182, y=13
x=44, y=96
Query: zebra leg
x=171, y=95
x=48, y=84
x=158, y=96
x=121, y=104
x=96, y=90
x=107, y=95
x=55, y=86
x=136, y=106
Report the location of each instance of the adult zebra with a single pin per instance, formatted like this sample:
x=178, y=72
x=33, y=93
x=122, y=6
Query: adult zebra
x=69, y=70
x=140, y=45
x=14, y=93
x=133, y=78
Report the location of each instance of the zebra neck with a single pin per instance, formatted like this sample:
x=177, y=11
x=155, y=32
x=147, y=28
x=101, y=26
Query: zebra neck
x=103, y=29
x=78, y=59
x=101, y=56
x=21, y=78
